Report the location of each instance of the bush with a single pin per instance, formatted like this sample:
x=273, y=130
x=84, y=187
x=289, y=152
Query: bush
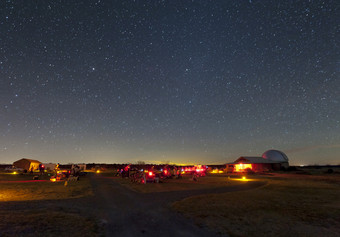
x=330, y=171
x=249, y=171
x=292, y=168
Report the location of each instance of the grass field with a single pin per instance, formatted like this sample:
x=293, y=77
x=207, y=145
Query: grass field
x=43, y=222
x=185, y=183
x=290, y=205
x=40, y=190
x=29, y=218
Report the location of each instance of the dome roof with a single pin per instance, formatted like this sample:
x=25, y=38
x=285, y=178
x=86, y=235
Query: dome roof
x=275, y=155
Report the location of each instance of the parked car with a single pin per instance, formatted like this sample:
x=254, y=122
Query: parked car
x=13, y=169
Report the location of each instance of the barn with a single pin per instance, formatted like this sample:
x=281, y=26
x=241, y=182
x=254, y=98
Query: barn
x=27, y=164
x=269, y=161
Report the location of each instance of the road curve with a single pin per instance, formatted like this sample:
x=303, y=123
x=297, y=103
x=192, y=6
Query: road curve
x=124, y=212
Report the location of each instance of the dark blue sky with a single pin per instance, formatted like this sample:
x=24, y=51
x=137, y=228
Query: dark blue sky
x=179, y=81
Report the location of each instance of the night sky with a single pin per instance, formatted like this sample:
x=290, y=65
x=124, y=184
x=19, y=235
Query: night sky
x=169, y=81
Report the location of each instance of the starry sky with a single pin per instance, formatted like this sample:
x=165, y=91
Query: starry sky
x=169, y=81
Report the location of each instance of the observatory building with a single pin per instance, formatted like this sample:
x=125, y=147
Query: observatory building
x=269, y=161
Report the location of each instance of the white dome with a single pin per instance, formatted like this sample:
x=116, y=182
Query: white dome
x=275, y=155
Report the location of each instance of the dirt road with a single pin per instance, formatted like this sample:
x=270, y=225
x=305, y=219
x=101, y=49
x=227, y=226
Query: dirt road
x=124, y=212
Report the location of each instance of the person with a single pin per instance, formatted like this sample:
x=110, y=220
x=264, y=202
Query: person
x=75, y=170
x=126, y=172
x=41, y=169
x=195, y=176
x=56, y=169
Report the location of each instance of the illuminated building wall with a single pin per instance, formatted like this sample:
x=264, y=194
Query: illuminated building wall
x=242, y=167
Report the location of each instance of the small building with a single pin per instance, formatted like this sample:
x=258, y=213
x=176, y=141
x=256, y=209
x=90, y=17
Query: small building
x=269, y=161
x=27, y=164
x=50, y=166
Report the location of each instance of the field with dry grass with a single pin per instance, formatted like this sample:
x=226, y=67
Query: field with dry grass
x=43, y=190
x=44, y=222
x=289, y=205
x=185, y=183
x=24, y=211
x=303, y=204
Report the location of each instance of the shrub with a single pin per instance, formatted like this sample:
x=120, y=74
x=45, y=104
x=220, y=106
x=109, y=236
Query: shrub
x=330, y=171
x=249, y=171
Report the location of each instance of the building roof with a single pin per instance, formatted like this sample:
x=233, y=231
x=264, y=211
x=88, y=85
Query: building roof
x=29, y=160
x=252, y=160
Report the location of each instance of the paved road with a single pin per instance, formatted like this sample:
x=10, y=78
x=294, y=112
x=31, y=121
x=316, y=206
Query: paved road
x=128, y=213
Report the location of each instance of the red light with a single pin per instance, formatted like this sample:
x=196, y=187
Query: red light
x=165, y=171
x=150, y=173
x=42, y=166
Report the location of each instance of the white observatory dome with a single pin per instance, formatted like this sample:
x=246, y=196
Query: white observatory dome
x=275, y=155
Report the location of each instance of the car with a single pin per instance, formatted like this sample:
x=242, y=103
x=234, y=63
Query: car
x=13, y=169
